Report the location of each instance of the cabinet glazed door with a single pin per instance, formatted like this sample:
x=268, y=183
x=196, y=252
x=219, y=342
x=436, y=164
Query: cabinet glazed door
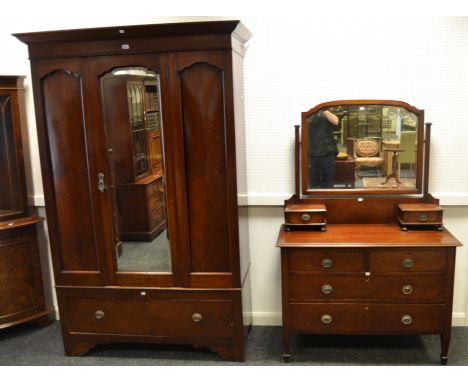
x=201, y=90
x=71, y=170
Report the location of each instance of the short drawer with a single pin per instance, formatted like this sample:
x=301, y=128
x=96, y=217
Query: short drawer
x=336, y=260
x=367, y=318
x=411, y=260
x=374, y=287
x=150, y=316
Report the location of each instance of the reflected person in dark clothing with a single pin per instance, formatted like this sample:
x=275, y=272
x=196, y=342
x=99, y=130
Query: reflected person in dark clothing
x=322, y=149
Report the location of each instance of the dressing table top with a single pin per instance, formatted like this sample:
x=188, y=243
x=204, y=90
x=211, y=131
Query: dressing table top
x=366, y=235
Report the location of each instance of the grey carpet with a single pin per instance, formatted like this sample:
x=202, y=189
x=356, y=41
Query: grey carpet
x=143, y=256
x=30, y=345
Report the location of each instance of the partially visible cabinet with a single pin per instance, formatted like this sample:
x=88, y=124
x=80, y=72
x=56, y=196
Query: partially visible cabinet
x=21, y=290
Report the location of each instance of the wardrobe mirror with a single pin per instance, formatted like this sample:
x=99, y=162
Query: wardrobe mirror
x=362, y=147
x=132, y=115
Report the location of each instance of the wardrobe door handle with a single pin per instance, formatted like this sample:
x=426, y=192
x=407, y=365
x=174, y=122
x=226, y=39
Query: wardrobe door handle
x=101, y=185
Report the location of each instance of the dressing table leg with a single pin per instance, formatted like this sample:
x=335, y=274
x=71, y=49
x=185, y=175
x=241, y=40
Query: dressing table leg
x=444, y=344
x=286, y=346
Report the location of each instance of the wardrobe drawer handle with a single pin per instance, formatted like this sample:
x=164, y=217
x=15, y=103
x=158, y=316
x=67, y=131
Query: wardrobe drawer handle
x=326, y=319
x=406, y=319
x=327, y=263
x=99, y=314
x=408, y=263
x=327, y=289
x=197, y=317
x=407, y=289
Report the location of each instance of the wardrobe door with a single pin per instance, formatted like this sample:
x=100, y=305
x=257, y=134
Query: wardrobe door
x=132, y=97
x=71, y=169
x=201, y=88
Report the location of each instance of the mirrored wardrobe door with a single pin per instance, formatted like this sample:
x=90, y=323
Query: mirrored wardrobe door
x=132, y=118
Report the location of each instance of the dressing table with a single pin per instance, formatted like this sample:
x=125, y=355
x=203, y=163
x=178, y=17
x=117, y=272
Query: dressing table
x=364, y=274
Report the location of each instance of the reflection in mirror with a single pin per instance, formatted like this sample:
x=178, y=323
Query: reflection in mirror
x=132, y=116
x=10, y=193
x=362, y=146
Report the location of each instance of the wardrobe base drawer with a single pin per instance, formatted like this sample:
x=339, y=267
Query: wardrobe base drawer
x=358, y=318
x=150, y=316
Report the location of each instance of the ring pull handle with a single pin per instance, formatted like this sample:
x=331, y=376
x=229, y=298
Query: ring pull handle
x=406, y=319
x=327, y=289
x=423, y=218
x=407, y=289
x=327, y=263
x=305, y=217
x=326, y=319
x=408, y=263
x=99, y=314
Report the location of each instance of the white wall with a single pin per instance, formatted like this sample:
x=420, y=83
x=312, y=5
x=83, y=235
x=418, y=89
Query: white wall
x=292, y=64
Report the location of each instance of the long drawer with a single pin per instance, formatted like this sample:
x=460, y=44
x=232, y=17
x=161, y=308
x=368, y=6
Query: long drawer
x=357, y=286
x=367, y=318
x=150, y=316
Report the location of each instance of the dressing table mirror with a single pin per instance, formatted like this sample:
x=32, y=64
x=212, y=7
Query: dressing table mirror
x=349, y=263
x=375, y=147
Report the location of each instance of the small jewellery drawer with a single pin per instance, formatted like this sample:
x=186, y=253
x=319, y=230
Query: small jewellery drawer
x=150, y=316
x=373, y=287
x=336, y=260
x=411, y=260
x=419, y=214
x=305, y=214
x=367, y=318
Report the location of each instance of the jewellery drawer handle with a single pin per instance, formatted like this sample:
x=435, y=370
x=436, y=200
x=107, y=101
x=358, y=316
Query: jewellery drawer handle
x=305, y=217
x=197, y=317
x=327, y=289
x=326, y=319
x=327, y=263
x=408, y=263
x=423, y=218
x=99, y=314
x=407, y=289
x=406, y=319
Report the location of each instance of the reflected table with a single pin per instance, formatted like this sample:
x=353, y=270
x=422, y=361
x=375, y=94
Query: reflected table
x=395, y=171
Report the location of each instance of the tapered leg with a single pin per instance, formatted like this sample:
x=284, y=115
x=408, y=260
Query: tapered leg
x=444, y=345
x=286, y=345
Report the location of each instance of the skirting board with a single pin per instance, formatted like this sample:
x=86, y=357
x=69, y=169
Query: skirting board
x=275, y=319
